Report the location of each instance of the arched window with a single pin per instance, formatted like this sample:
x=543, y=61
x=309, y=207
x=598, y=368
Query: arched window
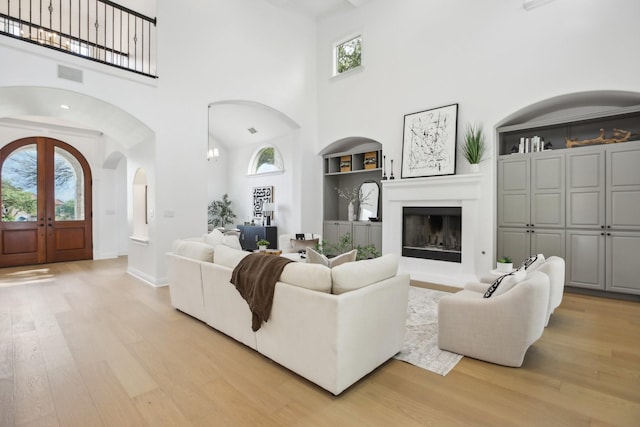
x=266, y=159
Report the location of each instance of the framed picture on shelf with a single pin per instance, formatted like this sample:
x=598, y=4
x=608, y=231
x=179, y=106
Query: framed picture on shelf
x=429, y=142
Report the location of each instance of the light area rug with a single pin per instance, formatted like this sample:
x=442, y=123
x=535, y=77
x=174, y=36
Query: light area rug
x=421, y=336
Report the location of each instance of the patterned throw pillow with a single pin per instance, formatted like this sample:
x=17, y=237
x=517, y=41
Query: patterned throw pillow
x=302, y=245
x=533, y=262
x=504, y=283
x=315, y=257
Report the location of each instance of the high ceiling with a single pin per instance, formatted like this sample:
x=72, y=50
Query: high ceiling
x=318, y=8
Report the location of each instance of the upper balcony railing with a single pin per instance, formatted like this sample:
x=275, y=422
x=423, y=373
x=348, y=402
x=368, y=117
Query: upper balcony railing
x=98, y=30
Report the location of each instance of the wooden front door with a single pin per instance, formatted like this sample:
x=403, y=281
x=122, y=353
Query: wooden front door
x=46, y=203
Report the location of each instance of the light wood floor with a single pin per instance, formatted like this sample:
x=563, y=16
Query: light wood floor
x=84, y=344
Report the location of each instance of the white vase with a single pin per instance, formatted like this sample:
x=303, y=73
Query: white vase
x=504, y=267
x=474, y=167
x=351, y=211
x=262, y=248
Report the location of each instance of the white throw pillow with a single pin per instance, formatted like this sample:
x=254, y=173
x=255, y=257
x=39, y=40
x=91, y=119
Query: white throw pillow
x=316, y=277
x=232, y=241
x=195, y=250
x=228, y=257
x=214, y=238
x=355, y=275
x=314, y=257
x=505, y=283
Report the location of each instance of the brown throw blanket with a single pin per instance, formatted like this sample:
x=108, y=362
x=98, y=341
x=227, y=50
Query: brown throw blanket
x=255, y=278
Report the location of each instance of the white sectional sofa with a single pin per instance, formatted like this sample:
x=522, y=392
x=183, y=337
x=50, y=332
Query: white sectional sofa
x=331, y=326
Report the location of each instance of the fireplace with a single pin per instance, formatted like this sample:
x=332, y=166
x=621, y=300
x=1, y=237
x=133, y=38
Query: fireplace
x=432, y=233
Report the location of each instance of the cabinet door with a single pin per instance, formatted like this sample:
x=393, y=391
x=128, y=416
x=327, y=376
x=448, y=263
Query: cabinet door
x=548, y=242
x=547, y=190
x=513, y=192
x=623, y=268
x=361, y=233
x=515, y=243
x=585, y=188
x=623, y=187
x=334, y=230
x=585, y=259
x=375, y=236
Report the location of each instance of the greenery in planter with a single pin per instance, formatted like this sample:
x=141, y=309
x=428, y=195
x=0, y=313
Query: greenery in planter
x=345, y=244
x=473, y=147
x=220, y=213
x=262, y=242
x=505, y=260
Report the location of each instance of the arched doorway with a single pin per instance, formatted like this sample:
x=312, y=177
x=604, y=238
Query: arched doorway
x=46, y=203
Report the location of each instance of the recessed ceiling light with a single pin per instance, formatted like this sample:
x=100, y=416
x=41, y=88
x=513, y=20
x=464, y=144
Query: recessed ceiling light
x=65, y=107
x=252, y=130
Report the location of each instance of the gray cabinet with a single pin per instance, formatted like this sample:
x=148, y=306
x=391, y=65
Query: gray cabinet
x=531, y=205
x=519, y=243
x=333, y=230
x=531, y=190
x=368, y=233
x=603, y=216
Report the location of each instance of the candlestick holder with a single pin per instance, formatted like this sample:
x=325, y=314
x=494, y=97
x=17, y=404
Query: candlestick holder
x=384, y=165
x=391, y=174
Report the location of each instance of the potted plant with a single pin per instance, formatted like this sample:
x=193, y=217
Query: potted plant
x=262, y=244
x=473, y=147
x=220, y=213
x=504, y=264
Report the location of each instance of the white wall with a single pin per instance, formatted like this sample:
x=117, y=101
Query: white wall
x=491, y=57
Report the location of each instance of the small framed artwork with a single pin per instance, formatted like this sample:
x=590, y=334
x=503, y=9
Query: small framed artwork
x=260, y=196
x=429, y=142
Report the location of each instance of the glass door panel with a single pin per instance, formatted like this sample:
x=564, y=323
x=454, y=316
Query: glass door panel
x=20, y=185
x=68, y=186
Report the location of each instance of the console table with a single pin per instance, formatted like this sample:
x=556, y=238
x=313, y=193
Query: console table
x=250, y=234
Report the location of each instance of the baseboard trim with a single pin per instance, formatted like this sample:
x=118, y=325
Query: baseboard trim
x=149, y=280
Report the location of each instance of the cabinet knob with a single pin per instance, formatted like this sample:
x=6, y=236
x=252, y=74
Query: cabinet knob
x=602, y=234
x=533, y=231
x=532, y=225
x=608, y=226
x=608, y=234
x=602, y=226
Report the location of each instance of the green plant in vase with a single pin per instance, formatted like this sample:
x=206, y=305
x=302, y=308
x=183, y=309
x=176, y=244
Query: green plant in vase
x=474, y=147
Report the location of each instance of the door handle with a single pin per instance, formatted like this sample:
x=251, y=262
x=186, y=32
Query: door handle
x=50, y=225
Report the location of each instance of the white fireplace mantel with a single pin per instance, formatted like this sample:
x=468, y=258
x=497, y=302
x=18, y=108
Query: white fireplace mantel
x=462, y=191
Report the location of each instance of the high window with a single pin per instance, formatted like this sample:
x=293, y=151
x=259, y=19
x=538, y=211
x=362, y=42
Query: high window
x=266, y=159
x=348, y=55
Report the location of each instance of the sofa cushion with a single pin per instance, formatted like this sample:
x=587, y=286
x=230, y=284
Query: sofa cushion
x=194, y=250
x=228, y=257
x=301, y=245
x=217, y=237
x=315, y=257
x=315, y=277
x=355, y=275
x=533, y=262
x=504, y=283
x=214, y=238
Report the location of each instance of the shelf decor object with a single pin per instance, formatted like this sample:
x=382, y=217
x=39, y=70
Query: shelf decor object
x=371, y=160
x=384, y=165
x=619, y=135
x=345, y=164
x=429, y=142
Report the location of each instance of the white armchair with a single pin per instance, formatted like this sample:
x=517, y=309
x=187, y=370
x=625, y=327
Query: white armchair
x=284, y=241
x=499, y=329
x=554, y=267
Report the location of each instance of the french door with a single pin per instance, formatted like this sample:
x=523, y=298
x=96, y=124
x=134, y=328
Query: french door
x=46, y=203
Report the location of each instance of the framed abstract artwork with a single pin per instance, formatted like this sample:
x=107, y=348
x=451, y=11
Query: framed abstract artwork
x=429, y=142
x=260, y=196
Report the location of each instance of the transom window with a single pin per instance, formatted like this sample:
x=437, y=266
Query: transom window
x=348, y=55
x=266, y=159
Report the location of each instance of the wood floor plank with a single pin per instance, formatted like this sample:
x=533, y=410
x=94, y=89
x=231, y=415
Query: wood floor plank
x=84, y=344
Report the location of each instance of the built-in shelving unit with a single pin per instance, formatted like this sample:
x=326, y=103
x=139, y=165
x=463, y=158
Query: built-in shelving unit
x=553, y=131
x=348, y=170
x=578, y=203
